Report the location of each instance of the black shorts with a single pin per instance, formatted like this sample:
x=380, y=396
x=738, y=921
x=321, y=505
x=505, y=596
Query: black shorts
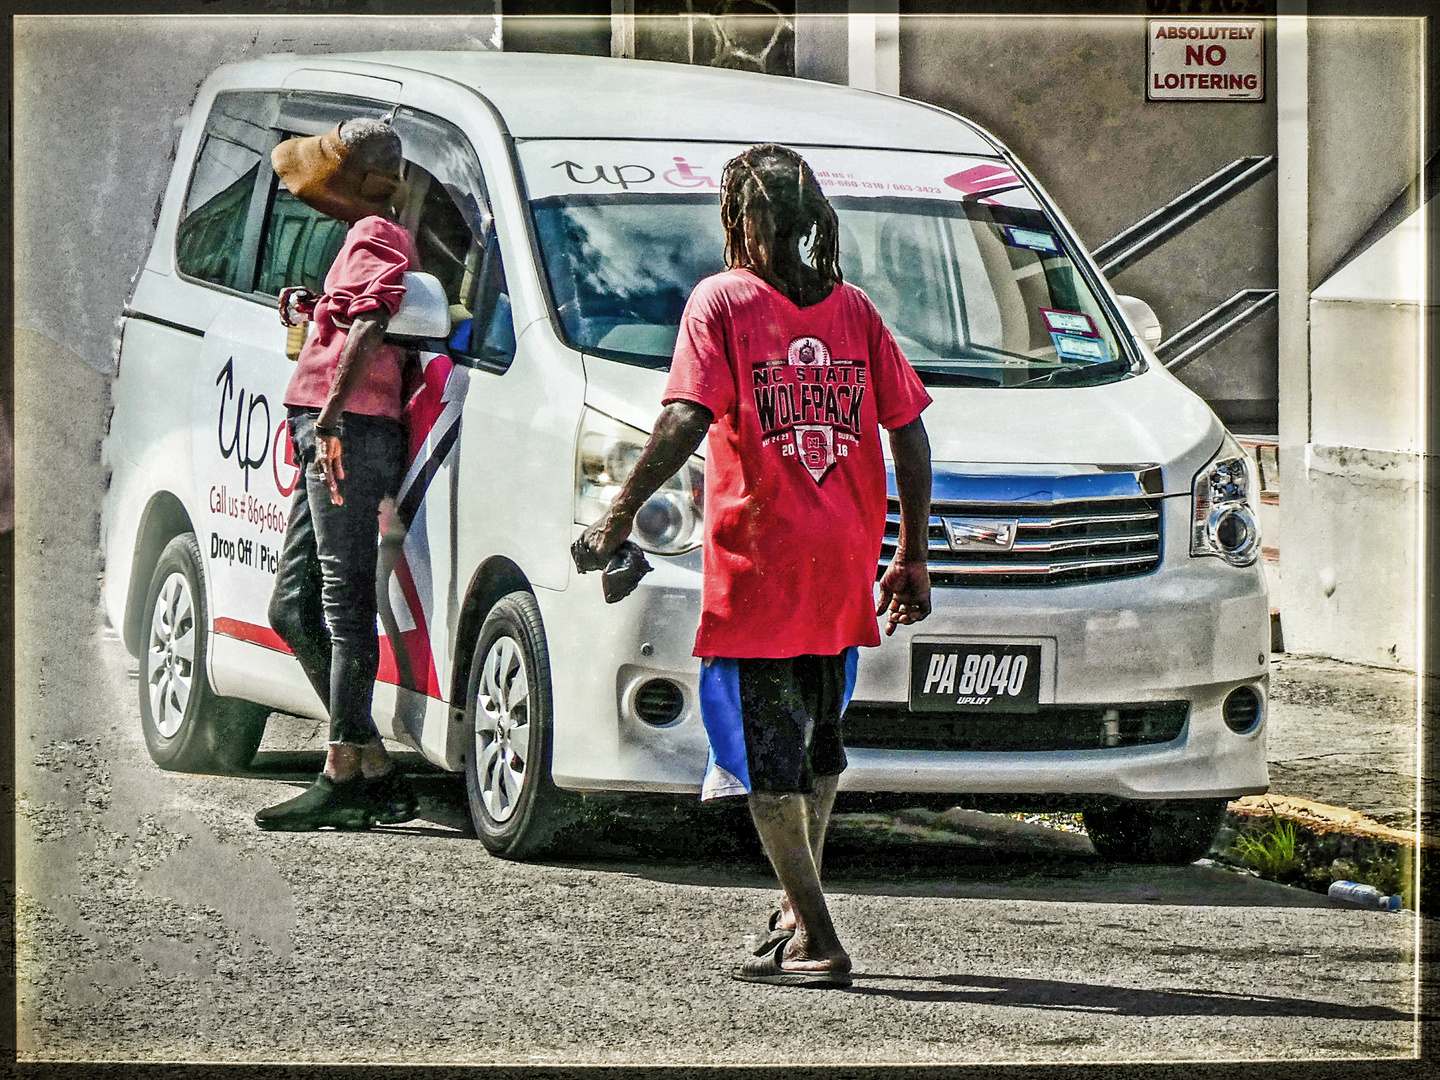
x=774, y=725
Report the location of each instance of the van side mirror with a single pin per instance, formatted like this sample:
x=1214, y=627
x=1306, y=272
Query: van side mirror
x=1142, y=317
x=425, y=311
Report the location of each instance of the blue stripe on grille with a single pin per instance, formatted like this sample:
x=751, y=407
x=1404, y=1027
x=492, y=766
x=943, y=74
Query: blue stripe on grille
x=948, y=486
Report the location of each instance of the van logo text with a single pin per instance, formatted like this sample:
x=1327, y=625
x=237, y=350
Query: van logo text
x=244, y=416
x=620, y=177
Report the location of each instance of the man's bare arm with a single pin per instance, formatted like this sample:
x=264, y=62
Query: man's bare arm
x=905, y=587
x=677, y=434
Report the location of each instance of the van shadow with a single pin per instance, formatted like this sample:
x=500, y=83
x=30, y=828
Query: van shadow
x=873, y=855
x=680, y=842
x=1110, y=1000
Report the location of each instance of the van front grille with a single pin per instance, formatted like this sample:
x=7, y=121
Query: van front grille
x=1053, y=727
x=1066, y=542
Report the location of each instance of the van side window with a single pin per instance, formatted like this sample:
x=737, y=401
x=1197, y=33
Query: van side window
x=300, y=244
x=449, y=215
x=234, y=154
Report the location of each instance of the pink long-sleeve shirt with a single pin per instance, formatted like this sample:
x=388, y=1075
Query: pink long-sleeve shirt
x=368, y=273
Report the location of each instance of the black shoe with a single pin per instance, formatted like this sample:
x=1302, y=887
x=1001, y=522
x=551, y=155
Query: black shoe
x=325, y=803
x=390, y=798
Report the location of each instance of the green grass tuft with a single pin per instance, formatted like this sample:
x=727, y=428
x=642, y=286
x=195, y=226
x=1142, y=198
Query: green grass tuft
x=1271, y=851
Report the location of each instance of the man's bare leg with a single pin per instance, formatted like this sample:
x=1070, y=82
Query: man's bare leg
x=783, y=822
x=818, y=807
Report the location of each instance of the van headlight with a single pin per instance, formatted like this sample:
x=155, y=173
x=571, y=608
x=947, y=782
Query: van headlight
x=1224, y=521
x=671, y=521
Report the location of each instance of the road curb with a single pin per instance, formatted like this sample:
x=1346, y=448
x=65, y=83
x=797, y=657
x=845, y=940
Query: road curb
x=1334, y=843
x=1324, y=818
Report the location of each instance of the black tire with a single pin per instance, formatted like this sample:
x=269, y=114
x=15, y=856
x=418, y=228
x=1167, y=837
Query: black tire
x=516, y=810
x=196, y=730
x=1173, y=833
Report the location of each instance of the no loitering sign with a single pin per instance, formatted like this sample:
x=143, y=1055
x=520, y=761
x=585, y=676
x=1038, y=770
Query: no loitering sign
x=1205, y=60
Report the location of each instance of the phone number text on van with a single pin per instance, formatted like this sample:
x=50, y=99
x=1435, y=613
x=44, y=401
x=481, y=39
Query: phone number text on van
x=268, y=515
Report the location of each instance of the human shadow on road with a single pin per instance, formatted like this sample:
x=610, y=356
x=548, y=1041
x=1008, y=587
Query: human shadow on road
x=442, y=795
x=1112, y=1000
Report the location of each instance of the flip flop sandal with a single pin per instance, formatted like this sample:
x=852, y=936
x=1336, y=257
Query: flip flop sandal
x=774, y=934
x=767, y=969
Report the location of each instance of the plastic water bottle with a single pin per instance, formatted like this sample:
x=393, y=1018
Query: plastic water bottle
x=1364, y=895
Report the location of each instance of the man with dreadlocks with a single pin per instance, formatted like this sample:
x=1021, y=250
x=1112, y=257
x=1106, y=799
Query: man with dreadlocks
x=792, y=372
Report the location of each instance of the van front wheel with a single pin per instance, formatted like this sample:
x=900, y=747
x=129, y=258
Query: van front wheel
x=515, y=808
x=187, y=726
x=1176, y=832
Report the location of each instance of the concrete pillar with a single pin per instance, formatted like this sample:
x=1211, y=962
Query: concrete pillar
x=1349, y=95
x=874, y=45
x=849, y=42
x=1292, y=98
x=622, y=28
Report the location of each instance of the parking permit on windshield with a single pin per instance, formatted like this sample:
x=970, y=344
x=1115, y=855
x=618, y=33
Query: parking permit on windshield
x=1070, y=347
x=1069, y=322
x=1033, y=239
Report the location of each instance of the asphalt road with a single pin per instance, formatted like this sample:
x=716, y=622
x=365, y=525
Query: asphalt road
x=155, y=922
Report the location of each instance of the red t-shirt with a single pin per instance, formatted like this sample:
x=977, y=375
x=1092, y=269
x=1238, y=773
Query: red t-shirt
x=368, y=273
x=794, y=476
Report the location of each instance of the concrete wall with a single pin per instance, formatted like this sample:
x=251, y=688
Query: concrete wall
x=1068, y=95
x=1366, y=80
x=1351, y=505
x=753, y=38
x=1352, y=346
x=1350, y=573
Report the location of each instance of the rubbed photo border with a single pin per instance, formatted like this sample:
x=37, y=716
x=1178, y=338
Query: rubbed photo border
x=1320, y=1069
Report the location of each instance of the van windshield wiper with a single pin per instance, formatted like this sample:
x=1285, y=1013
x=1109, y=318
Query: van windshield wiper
x=940, y=377
x=1105, y=367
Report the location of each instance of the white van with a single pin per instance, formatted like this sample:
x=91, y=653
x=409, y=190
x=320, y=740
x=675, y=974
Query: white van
x=1100, y=635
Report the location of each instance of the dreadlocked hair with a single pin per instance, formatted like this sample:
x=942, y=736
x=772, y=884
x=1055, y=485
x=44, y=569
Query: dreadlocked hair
x=770, y=202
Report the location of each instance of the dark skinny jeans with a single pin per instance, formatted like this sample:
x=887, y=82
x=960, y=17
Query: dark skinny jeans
x=324, y=604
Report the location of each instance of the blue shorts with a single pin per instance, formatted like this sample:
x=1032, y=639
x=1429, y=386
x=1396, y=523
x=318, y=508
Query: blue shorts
x=774, y=725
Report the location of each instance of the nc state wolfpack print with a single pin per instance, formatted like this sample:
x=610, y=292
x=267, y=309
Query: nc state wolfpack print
x=795, y=481
x=808, y=405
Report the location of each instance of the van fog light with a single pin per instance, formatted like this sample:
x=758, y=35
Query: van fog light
x=1241, y=710
x=659, y=702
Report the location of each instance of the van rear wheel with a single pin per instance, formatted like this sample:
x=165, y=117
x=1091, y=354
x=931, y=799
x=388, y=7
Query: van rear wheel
x=1175, y=832
x=187, y=726
x=516, y=809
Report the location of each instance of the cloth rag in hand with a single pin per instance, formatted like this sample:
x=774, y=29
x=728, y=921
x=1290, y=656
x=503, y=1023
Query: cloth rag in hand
x=621, y=574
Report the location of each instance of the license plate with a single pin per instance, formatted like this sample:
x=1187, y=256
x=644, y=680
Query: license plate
x=957, y=677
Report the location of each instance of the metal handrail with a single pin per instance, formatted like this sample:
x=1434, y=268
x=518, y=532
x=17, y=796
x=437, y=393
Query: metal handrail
x=1214, y=326
x=1180, y=213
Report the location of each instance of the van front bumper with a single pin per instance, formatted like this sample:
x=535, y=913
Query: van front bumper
x=1191, y=632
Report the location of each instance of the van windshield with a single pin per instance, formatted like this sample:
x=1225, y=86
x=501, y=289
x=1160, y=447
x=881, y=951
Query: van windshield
x=978, y=291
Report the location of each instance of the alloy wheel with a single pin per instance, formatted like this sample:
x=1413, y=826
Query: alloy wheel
x=170, y=656
x=502, y=728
